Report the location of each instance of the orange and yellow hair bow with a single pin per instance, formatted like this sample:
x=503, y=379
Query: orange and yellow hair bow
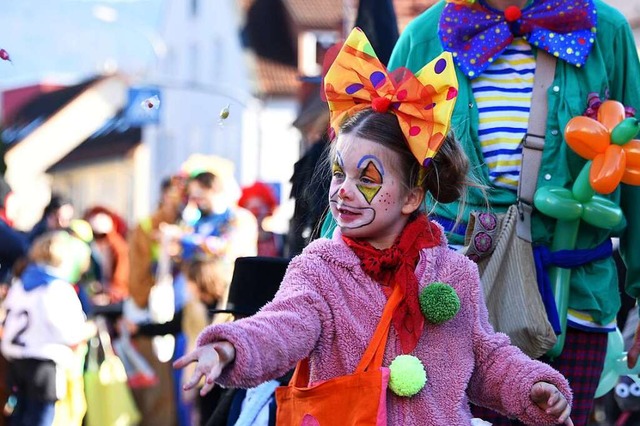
x=423, y=103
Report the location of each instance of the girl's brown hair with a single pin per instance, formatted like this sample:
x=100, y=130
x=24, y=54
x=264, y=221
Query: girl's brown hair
x=445, y=178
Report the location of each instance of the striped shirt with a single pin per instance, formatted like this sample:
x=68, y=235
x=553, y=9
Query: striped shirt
x=503, y=97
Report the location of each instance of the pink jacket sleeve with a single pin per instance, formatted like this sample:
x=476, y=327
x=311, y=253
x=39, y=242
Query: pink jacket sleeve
x=271, y=342
x=504, y=375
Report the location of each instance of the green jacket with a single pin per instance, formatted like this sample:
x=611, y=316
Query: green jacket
x=613, y=69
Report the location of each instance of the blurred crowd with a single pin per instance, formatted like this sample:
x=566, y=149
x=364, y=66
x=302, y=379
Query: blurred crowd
x=81, y=288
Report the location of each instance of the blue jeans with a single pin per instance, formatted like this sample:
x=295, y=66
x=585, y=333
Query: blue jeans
x=32, y=412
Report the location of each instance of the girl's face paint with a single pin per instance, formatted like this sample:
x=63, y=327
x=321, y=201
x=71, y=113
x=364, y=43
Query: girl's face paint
x=371, y=177
x=366, y=196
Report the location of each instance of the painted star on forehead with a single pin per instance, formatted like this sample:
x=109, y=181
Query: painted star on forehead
x=151, y=103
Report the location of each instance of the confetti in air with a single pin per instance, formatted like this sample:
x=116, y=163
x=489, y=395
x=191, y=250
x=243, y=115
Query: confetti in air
x=151, y=103
x=4, y=55
x=224, y=112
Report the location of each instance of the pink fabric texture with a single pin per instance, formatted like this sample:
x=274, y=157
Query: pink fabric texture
x=382, y=410
x=327, y=308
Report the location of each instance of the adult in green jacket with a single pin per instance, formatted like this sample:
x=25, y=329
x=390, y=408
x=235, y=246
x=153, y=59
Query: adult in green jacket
x=611, y=70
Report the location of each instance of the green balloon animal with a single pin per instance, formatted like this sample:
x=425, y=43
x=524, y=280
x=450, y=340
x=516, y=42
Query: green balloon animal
x=613, y=157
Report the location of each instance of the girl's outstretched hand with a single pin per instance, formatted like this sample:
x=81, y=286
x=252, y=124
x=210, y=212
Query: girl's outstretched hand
x=552, y=401
x=211, y=360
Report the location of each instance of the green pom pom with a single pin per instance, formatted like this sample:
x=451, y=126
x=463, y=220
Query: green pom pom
x=408, y=376
x=439, y=302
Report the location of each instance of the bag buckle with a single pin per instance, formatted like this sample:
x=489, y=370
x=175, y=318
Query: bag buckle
x=523, y=225
x=524, y=206
x=533, y=141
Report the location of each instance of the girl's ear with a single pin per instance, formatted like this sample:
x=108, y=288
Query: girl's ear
x=413, y=201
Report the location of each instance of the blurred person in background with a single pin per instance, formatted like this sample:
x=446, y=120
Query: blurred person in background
x=146, y=245
x=224, y=230
x=57, y=215
x=145, y=239
x=119, y=224
x=111, y=253
x=221, y=232
x=261, y=200
x=44, y=327
x=206, y=286
x=81, y=229
x=309, y=182
x=13, y=246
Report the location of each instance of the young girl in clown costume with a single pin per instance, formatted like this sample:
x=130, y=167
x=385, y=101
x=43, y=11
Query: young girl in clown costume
x=391, y=148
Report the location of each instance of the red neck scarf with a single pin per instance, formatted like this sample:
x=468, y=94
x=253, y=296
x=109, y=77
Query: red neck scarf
x=396, y=266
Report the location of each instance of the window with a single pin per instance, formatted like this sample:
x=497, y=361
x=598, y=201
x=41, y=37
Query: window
x=312, y=46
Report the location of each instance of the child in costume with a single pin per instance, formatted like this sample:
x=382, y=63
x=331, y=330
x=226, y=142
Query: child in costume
x=261, y=200
x=45, y=327
x=333, y=294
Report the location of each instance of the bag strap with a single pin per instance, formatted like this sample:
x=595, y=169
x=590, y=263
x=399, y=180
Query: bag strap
x=92, y=355
x=103, y=337
x=533, y=142
x=300, y=378
x=374, y=353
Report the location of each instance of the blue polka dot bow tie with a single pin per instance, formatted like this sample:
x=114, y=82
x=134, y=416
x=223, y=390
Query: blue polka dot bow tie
x=477, y=34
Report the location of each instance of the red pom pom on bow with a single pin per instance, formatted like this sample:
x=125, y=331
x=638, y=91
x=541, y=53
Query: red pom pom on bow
x=380, y=104
x=512, y=13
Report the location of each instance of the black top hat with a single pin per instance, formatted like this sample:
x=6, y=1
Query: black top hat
x=255, y=281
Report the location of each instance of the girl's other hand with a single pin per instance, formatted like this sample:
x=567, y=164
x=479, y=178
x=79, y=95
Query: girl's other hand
x=552, y=401
x=211, y=360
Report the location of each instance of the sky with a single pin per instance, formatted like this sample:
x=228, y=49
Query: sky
x=64, y=41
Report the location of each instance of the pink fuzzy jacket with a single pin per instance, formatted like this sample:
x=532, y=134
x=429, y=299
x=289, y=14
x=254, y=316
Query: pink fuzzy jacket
x=327, y=308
